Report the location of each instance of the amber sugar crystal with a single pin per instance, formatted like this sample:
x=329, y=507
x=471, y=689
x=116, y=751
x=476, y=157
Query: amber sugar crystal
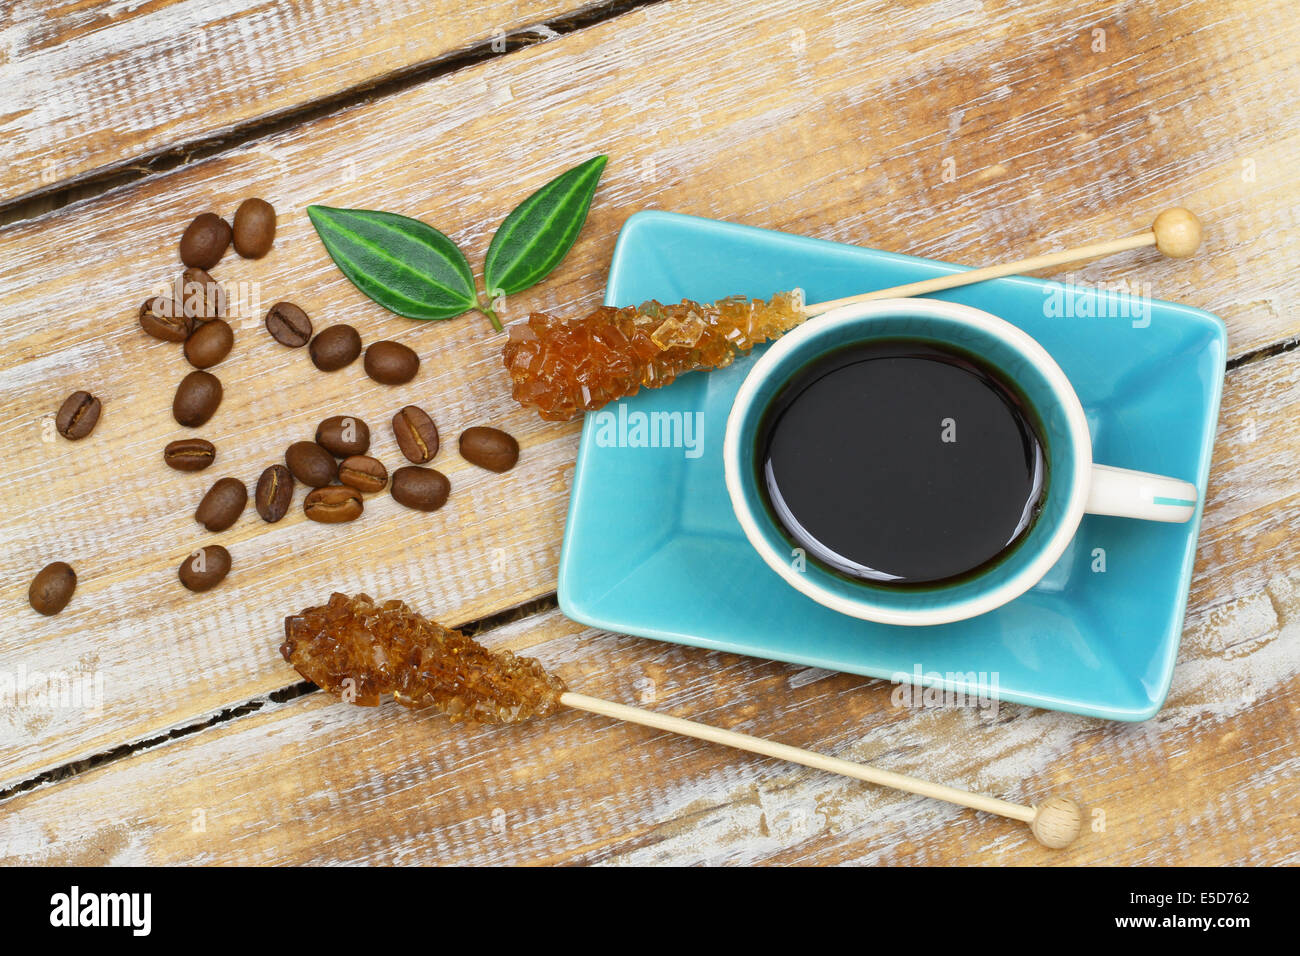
x=564, y=367
x=360, y=650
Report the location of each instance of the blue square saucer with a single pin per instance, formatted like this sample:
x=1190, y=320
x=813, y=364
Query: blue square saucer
x=652, y=548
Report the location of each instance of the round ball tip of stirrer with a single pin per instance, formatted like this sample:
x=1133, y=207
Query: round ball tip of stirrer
x=1178, y=232
x=1057, y=822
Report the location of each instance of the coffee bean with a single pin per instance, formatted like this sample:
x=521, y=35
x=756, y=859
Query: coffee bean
x=197, y=398
x=209, y=343
x=52, y=588
x=489, y=448
x=201, y=296
x=391, y=363
x=311, y=464
x=288, y=325
x=189, y=454
x=363, y=473
x=416, y=434
x=205, y=568
x=423, y=489
x=77, y=416
x=254, y=228
x=337, y=346
x=333, y=504
x=222, y=505
x=205, y=240
x=274, y=493
x=343, y=435
x=163, y=319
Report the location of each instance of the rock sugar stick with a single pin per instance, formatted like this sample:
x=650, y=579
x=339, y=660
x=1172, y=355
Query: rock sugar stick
x=564, y=367
x=361, y=650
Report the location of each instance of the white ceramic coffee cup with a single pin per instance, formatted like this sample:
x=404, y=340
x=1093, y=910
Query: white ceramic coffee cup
x=1076, y=484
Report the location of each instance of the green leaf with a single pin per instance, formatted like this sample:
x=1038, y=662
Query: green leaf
x=406, y=266
x=541, y=230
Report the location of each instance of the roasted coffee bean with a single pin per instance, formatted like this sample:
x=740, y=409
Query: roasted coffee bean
x=77, y=416
x=489, y=448
x=209, y=343
x=416, y=434
x=363, y=473
x=343, y=435
x=205, y=568
x=337, y=346
x=423, y=489
x=201, y=296
x=205, y=240
x=391, y=363
x=254, y=228
x=162, y=318
x=333, y=504
x=197, y=398
x=274, y=493
x=52, y=588
x=222, y=505
x=311, y=464
x=189, y=454
x=288, y=325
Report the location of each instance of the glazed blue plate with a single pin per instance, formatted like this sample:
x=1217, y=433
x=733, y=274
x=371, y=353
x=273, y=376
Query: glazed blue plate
x=652, y=548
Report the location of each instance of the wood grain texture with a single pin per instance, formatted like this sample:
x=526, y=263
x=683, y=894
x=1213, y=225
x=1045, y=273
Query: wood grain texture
x=91, y=86
x=313, y=781
x=778, y=115
x=1209, y=781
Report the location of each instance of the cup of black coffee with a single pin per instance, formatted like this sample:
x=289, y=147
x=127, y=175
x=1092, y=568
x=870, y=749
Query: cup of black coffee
x=914, y=461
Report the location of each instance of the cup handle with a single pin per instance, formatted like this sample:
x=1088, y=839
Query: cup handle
x=1137, y=494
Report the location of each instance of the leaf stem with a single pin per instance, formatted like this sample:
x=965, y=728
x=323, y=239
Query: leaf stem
x=492, y=316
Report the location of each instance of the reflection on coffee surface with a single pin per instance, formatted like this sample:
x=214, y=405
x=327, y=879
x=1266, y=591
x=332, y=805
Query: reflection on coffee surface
x=901, y=462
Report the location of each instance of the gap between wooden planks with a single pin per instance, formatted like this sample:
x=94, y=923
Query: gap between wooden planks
x=1056, y=145
x=97, y=86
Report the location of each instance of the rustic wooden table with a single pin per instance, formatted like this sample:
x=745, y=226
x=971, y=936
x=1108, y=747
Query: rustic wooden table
x=946, y=129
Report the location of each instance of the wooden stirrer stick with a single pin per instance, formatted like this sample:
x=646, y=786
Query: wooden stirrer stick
x=1176, y=233
x=353, y=643
x=1055, y=822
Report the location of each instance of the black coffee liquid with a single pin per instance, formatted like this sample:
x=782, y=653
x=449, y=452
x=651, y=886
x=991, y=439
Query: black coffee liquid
x=901, y=462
